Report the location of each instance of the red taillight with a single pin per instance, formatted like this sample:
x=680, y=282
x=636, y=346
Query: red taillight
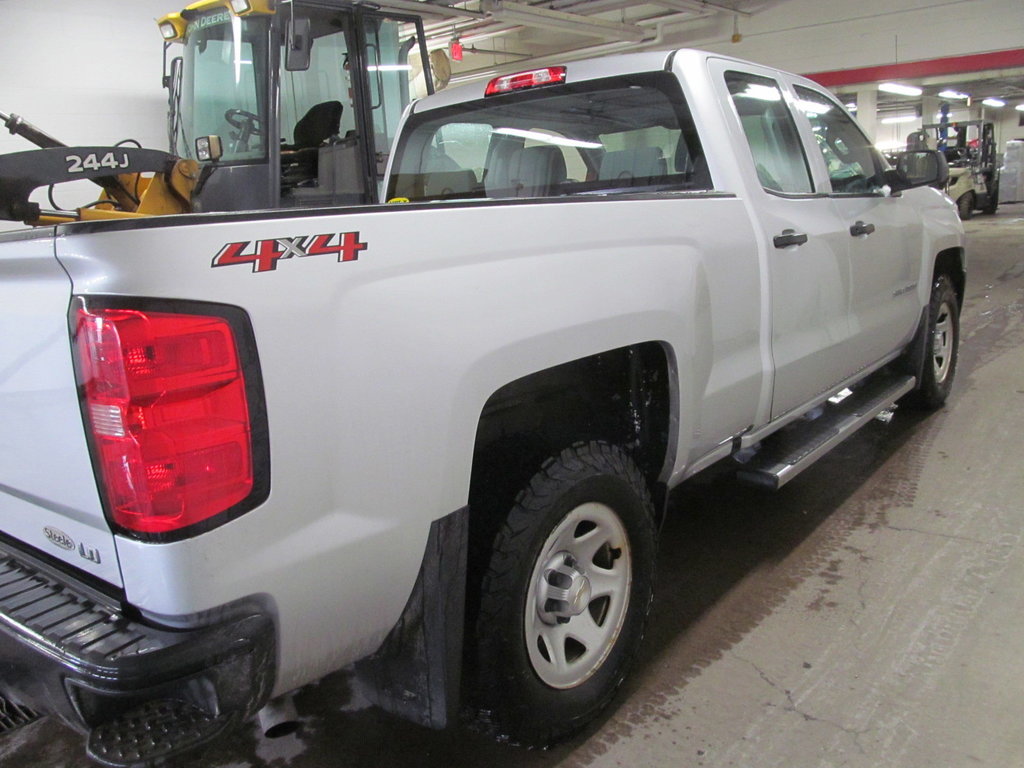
x=166, y=400
x=522, y=80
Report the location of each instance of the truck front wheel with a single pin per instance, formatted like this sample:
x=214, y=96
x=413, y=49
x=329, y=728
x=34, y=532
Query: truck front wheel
x=942, y=339
x=565, y=597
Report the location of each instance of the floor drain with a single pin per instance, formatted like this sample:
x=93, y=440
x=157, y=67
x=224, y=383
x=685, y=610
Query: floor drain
x=14, y=716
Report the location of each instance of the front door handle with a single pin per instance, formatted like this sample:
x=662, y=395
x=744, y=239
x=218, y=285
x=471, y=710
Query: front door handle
x=860, y=228
x=789, y=237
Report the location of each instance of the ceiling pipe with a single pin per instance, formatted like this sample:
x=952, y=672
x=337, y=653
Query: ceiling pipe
x=590, y=7
x=657, y=41
x=480, y=30
x=435, y=9
x=698, y=6
x=438, y=35
x=532, y=16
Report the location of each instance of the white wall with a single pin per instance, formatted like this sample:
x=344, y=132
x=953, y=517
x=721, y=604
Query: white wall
x=86, y=73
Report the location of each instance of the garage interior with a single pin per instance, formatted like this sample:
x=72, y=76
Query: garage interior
x=867, y=615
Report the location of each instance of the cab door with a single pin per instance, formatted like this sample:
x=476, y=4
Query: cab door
x=807, y=258
x=884, y=233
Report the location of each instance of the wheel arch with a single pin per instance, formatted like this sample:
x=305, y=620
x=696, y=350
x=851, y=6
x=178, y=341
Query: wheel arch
x=951, y=262
x=626, y=396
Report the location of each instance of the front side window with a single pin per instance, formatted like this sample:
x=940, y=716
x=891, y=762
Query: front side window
x=771, y=133
x=854, y=165
x=609, y=136
x=221, y=93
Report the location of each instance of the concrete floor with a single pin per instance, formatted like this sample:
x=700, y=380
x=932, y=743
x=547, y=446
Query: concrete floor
x=868, y=615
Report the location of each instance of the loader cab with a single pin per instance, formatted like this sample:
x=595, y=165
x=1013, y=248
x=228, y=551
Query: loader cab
x=294, y=104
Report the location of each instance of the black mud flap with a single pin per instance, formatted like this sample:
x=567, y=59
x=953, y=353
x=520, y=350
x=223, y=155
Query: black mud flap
x=416, y=672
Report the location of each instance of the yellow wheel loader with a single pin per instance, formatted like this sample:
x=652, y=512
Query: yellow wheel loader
x=270, y=105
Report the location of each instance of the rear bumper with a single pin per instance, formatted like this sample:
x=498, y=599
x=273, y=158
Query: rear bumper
x=70, y=652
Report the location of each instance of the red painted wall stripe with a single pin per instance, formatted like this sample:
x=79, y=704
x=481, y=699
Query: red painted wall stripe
x=976, y=62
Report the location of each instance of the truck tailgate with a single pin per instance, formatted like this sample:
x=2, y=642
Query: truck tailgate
x=48, y=494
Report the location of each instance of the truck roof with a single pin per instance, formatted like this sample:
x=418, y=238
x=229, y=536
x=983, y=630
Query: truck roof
x=577, y=71
x=581, y=70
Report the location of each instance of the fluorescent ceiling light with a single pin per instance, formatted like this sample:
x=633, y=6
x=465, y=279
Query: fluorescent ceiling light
x=993, y=102
x=852, y=107
x=899, y=88
x=898, y=119
x=1019, y=107
x=547, y=138
x=389, y=68
x=948, y=94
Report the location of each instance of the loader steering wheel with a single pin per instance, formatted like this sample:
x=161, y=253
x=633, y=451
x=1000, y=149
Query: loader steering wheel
x=248, y=125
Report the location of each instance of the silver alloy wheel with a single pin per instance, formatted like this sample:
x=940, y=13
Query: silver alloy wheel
x=579, y=596
x=943, y=342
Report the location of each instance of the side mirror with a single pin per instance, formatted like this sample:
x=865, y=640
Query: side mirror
x=299, y=42
x=918, y=168
x=172, y=78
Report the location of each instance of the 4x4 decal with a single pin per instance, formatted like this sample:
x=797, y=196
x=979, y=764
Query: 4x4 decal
x=264, y=254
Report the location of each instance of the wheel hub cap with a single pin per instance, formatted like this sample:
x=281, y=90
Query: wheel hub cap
x=578, y=596
x=563, y=590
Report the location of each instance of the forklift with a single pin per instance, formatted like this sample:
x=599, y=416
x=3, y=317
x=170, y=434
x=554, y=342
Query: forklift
x=973, y=162
x=289, y=104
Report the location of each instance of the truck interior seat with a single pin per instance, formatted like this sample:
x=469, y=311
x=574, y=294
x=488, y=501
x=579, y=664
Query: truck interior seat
x=526, y=172
x=635, y=163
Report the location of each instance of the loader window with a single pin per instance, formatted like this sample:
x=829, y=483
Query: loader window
x=615, y=136
x=389, y=70
x=224, y=66
x=326, y=138
x=321, y=144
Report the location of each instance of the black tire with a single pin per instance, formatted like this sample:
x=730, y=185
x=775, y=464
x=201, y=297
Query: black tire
x=965, y=206
x=992, y=204
x=582, y=529
x=942, y=340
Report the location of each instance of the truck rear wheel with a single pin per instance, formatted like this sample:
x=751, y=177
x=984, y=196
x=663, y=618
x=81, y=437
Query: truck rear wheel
x=565, y=597
x=942, y=340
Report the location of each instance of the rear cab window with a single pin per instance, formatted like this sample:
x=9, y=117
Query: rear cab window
x=771, y=134
x=615, y=135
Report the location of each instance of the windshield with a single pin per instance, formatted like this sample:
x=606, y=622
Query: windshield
x=222, y=89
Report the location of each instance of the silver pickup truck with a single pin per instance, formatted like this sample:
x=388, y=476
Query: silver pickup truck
x=435, y=437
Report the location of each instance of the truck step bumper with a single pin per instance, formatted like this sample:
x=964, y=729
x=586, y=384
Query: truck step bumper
x=153, y=732
x=69, y=651
x=794, y=448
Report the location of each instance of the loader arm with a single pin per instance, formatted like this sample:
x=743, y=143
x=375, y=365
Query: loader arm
x=126, y=191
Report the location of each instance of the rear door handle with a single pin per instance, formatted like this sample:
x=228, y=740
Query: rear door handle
x=789, y=237
x=860, y=228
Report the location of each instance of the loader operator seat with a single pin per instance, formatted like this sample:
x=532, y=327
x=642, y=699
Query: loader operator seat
x=300, y=160
x=322, y=121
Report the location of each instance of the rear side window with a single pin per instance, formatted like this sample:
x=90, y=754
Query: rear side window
x=771, y=133
x=618, y=135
